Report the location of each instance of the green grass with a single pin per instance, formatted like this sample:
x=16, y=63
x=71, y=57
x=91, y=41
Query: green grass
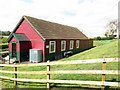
x=2, y=45
x=6, y=49
x=100, y=42
x=4, y=39
x=94, y=66
x=97, y=52
x=108, y=48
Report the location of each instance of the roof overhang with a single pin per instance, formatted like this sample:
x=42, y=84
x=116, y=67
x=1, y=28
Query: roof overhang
x=19, y=37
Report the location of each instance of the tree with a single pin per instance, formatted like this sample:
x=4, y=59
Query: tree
x=5, y=33
x=112, y=29
x=106, y=34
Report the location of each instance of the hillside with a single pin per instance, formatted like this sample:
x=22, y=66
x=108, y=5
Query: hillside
x=104, y=48
x=108, y=48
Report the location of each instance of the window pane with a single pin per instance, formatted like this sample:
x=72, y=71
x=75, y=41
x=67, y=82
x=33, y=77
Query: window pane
x=77, y=44
x=52, y=46
x=63, y=45
x=71, y=44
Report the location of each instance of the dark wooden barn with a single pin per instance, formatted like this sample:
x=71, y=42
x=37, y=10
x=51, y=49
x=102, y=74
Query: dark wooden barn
x=53, y=40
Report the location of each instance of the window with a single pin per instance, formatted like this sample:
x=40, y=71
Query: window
x=71, y=44
x=52, y=47
x=63, y=45
x=77, y=43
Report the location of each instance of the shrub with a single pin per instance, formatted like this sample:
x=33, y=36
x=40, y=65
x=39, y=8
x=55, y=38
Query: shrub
x=104, y=38
x=4, y=39
x=111, y=36
x=97, y=38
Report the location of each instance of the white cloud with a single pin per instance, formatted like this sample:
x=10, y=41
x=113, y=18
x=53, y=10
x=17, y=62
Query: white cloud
x=90, y=16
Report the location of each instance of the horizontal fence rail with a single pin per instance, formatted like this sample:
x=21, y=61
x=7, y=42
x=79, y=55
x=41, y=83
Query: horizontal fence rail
x=65, y=72
x=103, y=72
x=64, y=81
x=66, y=62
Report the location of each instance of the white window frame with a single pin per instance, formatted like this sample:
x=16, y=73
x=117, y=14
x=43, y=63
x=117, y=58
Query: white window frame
x=54, y=47
x=71, y=41
x=64, y=45
x=77, y=43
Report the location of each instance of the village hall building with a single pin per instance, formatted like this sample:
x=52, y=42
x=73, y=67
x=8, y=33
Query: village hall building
x=40, y=40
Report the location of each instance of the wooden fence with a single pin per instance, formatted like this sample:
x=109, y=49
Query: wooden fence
x=103, y=72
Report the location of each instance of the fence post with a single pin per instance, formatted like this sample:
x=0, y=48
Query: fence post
x=48, y=75
x=103, y=75
x=15, y=75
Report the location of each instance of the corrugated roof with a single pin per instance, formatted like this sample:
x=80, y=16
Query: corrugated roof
x=50, y=30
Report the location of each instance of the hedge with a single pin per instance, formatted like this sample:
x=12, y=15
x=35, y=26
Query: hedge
x=104, y=38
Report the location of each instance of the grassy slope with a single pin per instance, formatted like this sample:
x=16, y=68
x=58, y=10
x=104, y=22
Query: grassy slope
x=107, y=48
x=86, y=54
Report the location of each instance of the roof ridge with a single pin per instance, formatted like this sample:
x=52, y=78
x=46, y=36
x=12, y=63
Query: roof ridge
x=49, y=21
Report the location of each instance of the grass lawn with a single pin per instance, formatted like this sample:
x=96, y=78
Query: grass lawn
x=108, y=48
x=101, y=42
x=6, y=46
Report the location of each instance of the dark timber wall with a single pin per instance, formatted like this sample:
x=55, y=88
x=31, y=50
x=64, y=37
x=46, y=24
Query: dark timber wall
x=83, y=45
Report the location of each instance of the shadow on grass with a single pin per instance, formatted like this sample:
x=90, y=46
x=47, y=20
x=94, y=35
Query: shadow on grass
x=71, y=87
x=38, y=86
x=24, y=89
x=9, y=85
x=72, y=54
x=81, y=87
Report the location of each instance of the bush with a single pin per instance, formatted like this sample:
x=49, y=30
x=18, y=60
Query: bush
x=4, y=39
x=97, y=38
x=104, y=38
x=5, y=33
x=111, y=36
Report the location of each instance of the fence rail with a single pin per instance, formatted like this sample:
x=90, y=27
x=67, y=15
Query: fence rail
x=65, y=72
x=49, y=72
x=66, y=62
x=64, y=81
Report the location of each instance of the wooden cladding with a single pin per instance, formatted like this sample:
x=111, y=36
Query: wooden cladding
x=69, y=44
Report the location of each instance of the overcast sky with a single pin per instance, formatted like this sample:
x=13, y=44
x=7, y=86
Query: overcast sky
x=90, y=16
